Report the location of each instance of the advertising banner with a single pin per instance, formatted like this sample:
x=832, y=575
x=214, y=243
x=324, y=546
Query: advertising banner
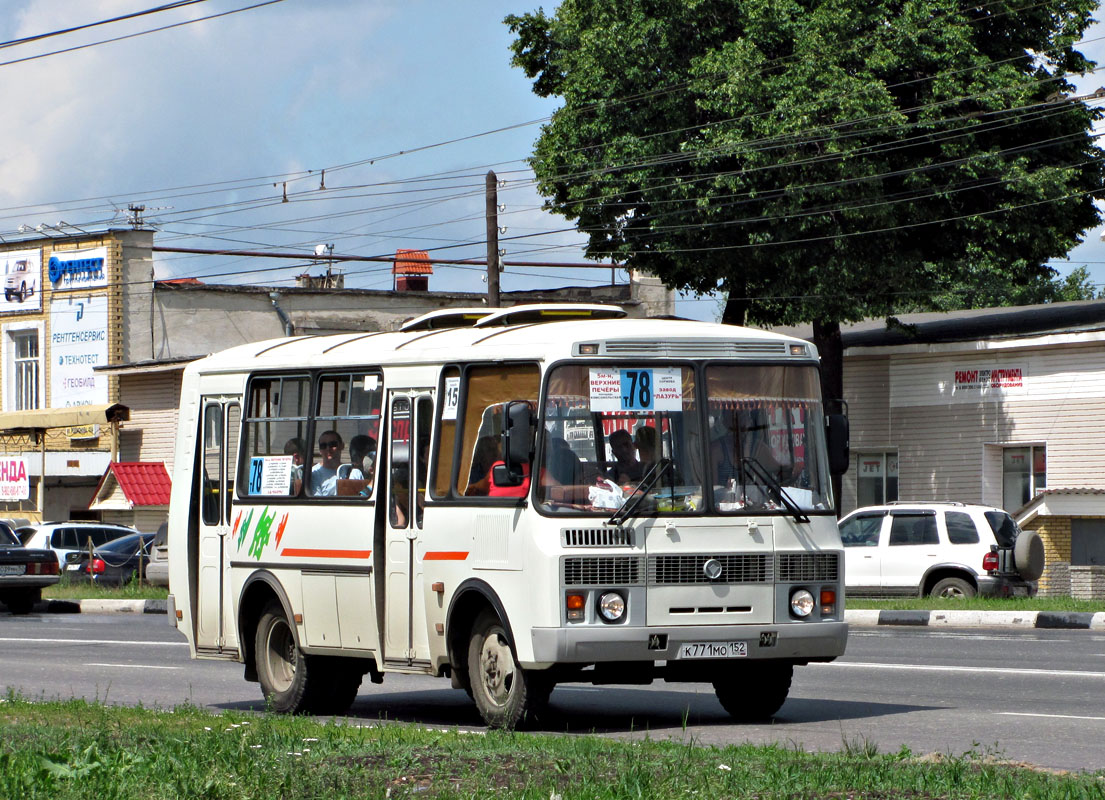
x=14, y=484
x=22, y=280
x=79, y=269
x=989, y=380
x=78, y=342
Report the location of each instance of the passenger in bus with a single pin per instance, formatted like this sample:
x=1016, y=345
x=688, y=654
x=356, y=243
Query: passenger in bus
x=324, y=474
x=484, y=454
x=562, y=462
x=362, y=448
x=626, y=468
x=297, y=449
x=648, y=447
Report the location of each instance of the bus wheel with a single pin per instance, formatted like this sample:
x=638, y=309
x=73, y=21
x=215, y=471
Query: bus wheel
x=281, y=668
x=506, y=695
x=754, y=694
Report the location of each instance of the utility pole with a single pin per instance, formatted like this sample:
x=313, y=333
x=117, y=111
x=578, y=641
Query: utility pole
x=492, y=214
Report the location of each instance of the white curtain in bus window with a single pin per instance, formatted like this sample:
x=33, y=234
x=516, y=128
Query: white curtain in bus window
x=607, y=427
x=275, y=446
x=765, y=421
x=347, y=430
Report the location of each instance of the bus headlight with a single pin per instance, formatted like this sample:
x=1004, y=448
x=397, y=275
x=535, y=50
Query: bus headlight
x=801, y=603
x=611, y=606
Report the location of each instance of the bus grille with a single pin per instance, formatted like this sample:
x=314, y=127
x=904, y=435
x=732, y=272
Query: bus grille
x=799, y=567
x=598, y=537
x=683, y=569
x=602, y=570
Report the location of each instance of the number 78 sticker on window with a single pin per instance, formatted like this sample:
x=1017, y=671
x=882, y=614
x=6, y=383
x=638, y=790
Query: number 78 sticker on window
x=656, y=389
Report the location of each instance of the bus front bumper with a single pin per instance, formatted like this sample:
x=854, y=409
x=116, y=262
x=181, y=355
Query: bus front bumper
x=592, y=644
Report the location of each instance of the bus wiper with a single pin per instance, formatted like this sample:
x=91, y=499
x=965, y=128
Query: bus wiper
x=759, y=471
x=629, y=505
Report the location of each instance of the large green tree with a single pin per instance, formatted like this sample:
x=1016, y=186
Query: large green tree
x=819, y=160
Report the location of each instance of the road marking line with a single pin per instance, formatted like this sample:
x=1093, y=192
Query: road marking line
x=1005, y=671
x=1047, y=716
x=23, y=639
x=133, y=666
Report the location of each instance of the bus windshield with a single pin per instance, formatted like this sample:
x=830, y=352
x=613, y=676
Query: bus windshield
x=750, y=440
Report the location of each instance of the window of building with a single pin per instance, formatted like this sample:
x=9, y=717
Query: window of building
x=876, y=478
x=1023, y=475
x=23, y=362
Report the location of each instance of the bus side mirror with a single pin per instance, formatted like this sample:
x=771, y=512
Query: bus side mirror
x=517, y=444
x=839, y=450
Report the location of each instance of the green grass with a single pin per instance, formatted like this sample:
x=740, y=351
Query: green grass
x=980, y=604
x=66, y=589
x=73, y=749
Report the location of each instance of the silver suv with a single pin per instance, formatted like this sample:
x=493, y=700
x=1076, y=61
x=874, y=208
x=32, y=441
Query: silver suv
x=940, y=549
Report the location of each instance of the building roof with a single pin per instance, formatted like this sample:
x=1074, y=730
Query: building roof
x=968, y=325
x=412, y=262
x=127, y=484
x=1075, y=501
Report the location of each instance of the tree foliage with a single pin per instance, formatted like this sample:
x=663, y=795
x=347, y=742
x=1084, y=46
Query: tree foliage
x=819, y=160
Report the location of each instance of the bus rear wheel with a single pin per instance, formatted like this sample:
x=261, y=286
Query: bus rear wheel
x=755, y=693
x=506, y=695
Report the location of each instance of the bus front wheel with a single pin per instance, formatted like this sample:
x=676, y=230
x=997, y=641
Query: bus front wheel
x=755, y=693
x=506, y=695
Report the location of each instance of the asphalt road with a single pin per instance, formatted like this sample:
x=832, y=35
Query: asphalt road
x=1033, y=696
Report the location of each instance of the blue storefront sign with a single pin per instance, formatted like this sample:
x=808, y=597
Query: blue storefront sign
x=80, y=269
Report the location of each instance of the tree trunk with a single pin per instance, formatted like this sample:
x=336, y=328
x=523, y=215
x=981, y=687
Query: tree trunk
x=735, y=310
x=826, y=335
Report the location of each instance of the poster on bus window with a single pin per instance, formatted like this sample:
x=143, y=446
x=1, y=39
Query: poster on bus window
x=22, y=281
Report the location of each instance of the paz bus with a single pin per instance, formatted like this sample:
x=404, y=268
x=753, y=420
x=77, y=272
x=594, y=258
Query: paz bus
x=458, y=498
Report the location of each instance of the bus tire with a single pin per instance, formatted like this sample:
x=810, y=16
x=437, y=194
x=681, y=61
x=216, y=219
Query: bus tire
x=506, y=695
x=282, y=669
x=754, y=694
x=340, y=678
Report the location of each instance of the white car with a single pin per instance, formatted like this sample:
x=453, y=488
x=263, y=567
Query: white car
x=21, y=281
x=71, y=537
x=940, y=549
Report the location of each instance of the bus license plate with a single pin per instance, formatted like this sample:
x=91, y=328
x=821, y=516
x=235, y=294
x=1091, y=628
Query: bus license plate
x=12, y=569
x=713, y=650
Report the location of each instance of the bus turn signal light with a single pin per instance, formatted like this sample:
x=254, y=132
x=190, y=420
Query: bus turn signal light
x=574, y=604
x=828, y=602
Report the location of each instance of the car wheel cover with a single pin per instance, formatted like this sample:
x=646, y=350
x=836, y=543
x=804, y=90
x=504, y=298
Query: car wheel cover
x=496, y=667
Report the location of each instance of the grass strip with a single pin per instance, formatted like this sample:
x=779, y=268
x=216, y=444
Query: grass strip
x=75, y=749
x=1061, y=604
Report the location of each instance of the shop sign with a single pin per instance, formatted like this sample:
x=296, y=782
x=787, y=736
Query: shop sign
x=78, y=343
x=14, y=484
x=79, y=269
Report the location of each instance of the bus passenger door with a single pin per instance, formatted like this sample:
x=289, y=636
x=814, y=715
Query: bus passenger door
x=405, y=636
x=215, y=489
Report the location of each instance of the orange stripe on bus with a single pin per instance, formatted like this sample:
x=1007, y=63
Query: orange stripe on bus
x=307, y=552
x=445, y=555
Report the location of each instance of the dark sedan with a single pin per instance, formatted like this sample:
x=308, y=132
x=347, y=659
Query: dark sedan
x=23, y=572
x=117, y=561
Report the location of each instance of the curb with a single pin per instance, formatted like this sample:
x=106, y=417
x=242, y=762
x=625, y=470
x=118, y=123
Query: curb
x=1078, y=620
x=104, y=606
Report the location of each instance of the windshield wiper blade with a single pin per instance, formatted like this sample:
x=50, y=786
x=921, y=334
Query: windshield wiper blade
x=629, y=505
x=774, y=488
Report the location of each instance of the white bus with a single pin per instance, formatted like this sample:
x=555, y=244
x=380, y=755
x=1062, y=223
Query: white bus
x=512, y=499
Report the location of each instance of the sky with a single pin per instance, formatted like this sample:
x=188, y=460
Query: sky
x=406, y=106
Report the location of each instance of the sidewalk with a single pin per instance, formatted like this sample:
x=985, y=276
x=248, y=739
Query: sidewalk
x=860, y=618
x=103, y=606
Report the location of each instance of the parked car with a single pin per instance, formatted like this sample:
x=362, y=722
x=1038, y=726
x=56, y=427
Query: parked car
x=71, y=537
x=940, y=549
x=118, y=561
x=157, y=571
x=23, y=572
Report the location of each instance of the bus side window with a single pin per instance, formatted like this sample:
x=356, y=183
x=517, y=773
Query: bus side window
x=485, y=391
